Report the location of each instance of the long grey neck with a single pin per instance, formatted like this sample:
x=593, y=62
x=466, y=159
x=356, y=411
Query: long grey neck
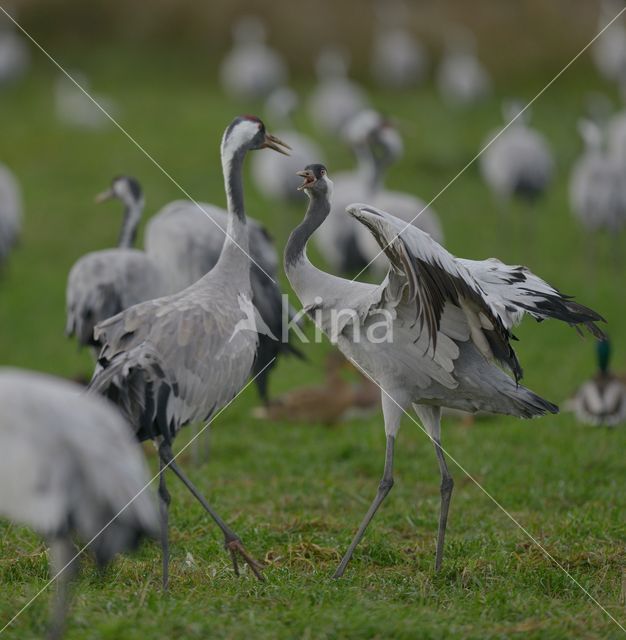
x=132, y=216
x=235, y=250
x=319, y=208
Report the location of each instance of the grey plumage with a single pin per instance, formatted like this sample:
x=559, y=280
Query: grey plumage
x=336, y=98
x=435, y=333
x=10, y=212
x=398, y=59
x=609, y=50
x=461, y=78
x=179, y=359
x=596, y=188
x=70, y=466
x=103, y=283
x=519, y=162
x=251, y=70
x=186, y=239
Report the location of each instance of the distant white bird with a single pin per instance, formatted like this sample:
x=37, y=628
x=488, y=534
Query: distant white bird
x=596, y=187
x=77, y=110
x=275, y=175
x=251, y=70
x=601, y=400
x=70, y=470
x=399, y=60
x=461, y=78
x=336, y=98
x=609, y=50
x=103, y=283
x=14, y=53
x=436, y=332
x=10, y=212
x=177, y=360
x=519, y=163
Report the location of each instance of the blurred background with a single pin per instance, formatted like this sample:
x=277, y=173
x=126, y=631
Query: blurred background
x=443, y=75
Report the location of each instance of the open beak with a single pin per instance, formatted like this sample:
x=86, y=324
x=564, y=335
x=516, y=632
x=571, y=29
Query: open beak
x=272, y=142
x=309, y=179
x=104, y=196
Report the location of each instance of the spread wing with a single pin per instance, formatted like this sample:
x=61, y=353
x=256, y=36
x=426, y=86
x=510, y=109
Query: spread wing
x=514, y=290
x=432, y=282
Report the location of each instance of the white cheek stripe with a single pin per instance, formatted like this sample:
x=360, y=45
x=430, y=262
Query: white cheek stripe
x=238, y=136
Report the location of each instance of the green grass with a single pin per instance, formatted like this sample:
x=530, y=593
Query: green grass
x=296, y=493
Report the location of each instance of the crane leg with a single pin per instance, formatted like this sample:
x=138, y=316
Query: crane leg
x=64, y=566
x=431, y=417
x=447, y=485
x=232, y=541
x=164, y=505
x=383, y=489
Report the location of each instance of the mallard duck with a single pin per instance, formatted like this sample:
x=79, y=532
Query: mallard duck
x=601, y=400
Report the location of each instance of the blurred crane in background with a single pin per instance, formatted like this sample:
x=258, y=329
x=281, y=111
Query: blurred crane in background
x=71, y=468
x=103, y=283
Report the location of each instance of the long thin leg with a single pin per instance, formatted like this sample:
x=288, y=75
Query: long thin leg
x=431, y=417
x=164, y=505
x=61, y=553
x=231, y=540
x=384, y=488
x=447, y=485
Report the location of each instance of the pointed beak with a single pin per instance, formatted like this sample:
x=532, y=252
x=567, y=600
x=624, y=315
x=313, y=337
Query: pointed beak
x=309, y=179
x=104, y=196
x=272, y=142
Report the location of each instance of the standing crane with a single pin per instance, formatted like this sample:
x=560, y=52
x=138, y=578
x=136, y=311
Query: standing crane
x=251, y=70
x=186, y=238
x=431, y=334
x=596, y=188
x=399, y=60
x=179, y=359
x=336, y=98
x=462, y=79
x=519, y=162
x=103, y=283
x=609, y=50
x=71, y=469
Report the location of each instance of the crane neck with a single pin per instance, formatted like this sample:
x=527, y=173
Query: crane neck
x=317, y=212
x=130, y=223
x=235, y=251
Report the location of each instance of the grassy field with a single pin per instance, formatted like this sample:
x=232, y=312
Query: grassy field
x=296, y=493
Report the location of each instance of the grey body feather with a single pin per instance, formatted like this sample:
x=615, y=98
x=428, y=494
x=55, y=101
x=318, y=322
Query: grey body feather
x=76, y=462
x=103, y=283
x=186, y=243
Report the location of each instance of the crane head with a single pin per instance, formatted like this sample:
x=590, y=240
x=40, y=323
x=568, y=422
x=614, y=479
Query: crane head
x=246, y=133
x=315, y=179
x=124, y=188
